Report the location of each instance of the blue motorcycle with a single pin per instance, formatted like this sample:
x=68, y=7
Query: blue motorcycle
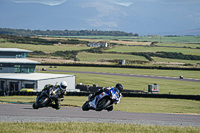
x=103, y=101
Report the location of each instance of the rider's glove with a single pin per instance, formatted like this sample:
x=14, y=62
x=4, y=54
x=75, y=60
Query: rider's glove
x=90, y=97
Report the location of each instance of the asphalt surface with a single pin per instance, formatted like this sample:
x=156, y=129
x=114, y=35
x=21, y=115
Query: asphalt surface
x=131, y=75
x=25, y=113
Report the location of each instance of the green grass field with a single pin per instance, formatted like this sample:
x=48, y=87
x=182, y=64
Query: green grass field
x=174, y=61
x=44, y=48
x=186, y=45
x=97, y=57
x=163, y=39
x=187, y=42
x=155, y=49
x=78, y=127
x=133, y=83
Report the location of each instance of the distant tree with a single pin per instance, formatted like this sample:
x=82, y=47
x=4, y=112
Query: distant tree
x=28, y=32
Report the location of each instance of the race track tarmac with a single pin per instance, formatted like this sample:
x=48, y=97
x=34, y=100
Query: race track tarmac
x=25, y=113
x=130, y=75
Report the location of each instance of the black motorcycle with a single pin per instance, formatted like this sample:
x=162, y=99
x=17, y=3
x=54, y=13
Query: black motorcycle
x=44, y=99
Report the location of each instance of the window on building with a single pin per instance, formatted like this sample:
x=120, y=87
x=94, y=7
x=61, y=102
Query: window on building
x=29, y=86
x=21, y=55
x=17, y=68
x=27, y=68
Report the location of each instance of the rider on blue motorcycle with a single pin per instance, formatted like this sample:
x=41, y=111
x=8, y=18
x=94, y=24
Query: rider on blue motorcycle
x=118, y=89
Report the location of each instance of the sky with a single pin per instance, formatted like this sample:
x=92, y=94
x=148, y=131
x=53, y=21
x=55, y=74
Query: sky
x=119, y=2
x=137, y=16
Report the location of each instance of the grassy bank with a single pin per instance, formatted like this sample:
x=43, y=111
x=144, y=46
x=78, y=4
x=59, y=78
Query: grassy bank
x=136, y=105
x=75, y=127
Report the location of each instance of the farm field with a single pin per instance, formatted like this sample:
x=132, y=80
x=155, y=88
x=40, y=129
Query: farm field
x=44, y=48
x=176, y=62
x=183, y=45
x=187, y=45
x=163, y=39
x=154, y=49
x=106, y=56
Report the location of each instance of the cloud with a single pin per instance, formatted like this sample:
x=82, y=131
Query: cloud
x=118, y=2
x=130, y=2
x=122, y=2
x=46, y=2
x=173, y=1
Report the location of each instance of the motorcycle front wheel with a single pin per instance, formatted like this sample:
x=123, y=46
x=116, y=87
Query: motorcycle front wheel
x=103, y=104
x=42, y=102
x=85, y=106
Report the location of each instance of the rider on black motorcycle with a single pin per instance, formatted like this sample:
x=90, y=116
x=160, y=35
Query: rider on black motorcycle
x=58, y=93
x=118, y=89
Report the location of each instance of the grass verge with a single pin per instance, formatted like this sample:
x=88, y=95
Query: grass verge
x=127, y=104
x=78, y=127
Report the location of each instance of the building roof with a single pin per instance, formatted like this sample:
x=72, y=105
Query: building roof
x=18, y=60
x=32, y=76
x=14, y=50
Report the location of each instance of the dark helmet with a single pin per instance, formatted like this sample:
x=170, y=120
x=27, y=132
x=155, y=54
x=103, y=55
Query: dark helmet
x=119, y=86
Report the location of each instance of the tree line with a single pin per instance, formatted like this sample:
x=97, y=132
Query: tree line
x=28, y=32
x=39, y=41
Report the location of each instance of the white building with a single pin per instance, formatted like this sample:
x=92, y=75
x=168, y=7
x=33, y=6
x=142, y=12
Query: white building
x=98, y=44
x=17, y=72
x=13, y=60
x=36, y=81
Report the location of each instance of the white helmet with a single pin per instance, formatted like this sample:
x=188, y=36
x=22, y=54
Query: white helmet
x=63, y=85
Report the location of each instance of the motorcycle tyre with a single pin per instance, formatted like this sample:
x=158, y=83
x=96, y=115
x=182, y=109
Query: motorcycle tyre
x=34, y=106
x=85, y=106
x=107, y=103
x=43, y=103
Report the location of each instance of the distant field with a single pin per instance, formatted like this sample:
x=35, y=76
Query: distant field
x=44, y=48
x=179, y=45
x=154, y=49
x=178, y=39
x=130, y=44
x=174, y=61
x=97, y=57
x=163, y=39
x=124, y=42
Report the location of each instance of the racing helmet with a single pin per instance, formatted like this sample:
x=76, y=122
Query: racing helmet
x=119, y=87
x=63, y=84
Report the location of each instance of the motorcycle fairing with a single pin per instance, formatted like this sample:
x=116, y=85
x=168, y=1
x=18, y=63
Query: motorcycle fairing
x=111, y=92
